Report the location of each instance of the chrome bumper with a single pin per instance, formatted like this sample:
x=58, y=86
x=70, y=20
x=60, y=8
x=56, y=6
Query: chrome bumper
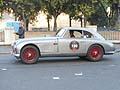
x=109, y=53
x=113, y=52
x=14, y=52
x=117, y=51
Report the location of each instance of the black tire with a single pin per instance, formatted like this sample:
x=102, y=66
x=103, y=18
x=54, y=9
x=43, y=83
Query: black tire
x=29, y=54
x=95, y=53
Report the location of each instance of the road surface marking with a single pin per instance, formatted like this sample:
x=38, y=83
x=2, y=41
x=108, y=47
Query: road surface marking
x=3, y=69
x=78, y=74
x=112, y=65
x=56, y=78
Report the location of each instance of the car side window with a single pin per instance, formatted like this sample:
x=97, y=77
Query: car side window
x=67, y=35
x=74, y=34
x=78, y=34
x=87, y=34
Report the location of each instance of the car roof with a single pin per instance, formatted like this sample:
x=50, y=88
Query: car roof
x=92, y=30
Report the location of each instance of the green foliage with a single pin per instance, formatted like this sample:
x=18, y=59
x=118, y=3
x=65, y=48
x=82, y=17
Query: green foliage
x=54, y=8
x=114, y=12
x=85, y=9
x=98, y=18
x=1, y=2
x=112, y=19
x=2, y=8
x=94, y=11
x=77, y=9
x=25, y=10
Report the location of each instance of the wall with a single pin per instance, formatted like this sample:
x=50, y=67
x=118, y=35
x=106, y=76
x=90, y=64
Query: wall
x=110, y=35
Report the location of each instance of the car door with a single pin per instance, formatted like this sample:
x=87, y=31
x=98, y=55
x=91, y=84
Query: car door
x=74, y=46
x=49, y=46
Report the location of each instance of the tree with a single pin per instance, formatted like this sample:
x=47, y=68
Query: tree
x=1, y=2
x=86, y=11
x=26, y=10
x=77, y=9
x=114, y=11
x=70, y=9
x=54, y=8
x=49, y=17
x=4, y=6
x=1, y=8
x=101, y=17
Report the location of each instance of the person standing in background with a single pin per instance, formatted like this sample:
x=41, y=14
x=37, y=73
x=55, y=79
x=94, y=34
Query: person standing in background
x=21, y=31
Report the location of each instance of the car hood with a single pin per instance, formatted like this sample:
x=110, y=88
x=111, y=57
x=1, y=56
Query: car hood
x=34, y=39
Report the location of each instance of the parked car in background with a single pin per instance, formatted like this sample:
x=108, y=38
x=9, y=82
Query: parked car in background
x=68, y=41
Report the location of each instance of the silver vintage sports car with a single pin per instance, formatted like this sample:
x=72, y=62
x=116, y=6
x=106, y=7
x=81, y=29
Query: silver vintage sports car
x=82, y=42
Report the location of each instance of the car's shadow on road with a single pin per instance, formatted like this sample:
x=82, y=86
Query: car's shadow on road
x=55, y=60
x=58, y=60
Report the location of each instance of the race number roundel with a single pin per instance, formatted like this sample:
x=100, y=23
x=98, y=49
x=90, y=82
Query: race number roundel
x=74, y=45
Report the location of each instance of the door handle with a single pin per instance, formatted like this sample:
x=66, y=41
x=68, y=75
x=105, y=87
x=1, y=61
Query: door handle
x=55, y=43
x=82, y=41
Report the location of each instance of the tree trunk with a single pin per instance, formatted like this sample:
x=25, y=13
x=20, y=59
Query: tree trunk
x=81, y=20
x=1, y=14
x=48, y=21
x=85, y=21
x=27, y=24
x=70, y=21
x=26, y=21
x=55, y=23
x=15, y=17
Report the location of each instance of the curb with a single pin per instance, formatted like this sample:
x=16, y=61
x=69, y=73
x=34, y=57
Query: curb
x=5, y=53
x=5, y=44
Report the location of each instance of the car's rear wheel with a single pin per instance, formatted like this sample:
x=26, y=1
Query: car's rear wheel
x=95, y=53
x=29, y=54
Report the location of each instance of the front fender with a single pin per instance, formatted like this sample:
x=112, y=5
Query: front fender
x=21, y=45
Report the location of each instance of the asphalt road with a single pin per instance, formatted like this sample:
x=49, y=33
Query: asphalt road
x=60, y=74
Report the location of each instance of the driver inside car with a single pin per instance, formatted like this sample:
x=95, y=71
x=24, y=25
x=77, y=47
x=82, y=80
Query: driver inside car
x=72, y=34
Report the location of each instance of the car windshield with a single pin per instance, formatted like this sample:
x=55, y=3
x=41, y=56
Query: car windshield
x=60, y=32
x=97, y=35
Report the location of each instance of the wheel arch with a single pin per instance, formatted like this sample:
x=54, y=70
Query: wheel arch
x=31, y=44
x=98, y=45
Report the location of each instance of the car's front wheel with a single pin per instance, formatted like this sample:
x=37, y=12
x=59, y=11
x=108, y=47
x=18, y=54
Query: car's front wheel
x=95, y=53
x=29, y=54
